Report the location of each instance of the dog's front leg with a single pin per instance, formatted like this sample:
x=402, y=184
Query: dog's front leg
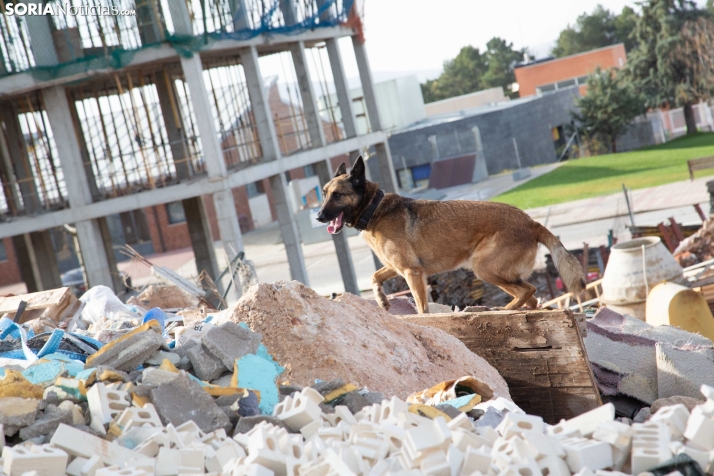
x=416, y=279
x=378, y=279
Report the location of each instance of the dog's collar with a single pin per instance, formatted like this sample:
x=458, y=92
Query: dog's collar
x=367, y=215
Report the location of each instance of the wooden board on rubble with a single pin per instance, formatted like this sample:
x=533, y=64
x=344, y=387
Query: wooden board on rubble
x=540, y=354
x=54, y=304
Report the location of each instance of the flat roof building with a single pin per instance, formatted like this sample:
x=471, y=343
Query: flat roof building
x=557, y=73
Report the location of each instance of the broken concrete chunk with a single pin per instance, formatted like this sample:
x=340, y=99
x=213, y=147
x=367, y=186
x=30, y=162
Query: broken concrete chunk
x=688, y=402
x=47, y=423
x=230, y=342
x=450, y=410
x=158, y=358
x=259, y=374
x=246, y=424
x=325, y=387
x=206, y=366
x=623, y=351
x=354, y=401
x=154, y=376
x=129, y=351
x=185, y=400
x=16, y=413
x=14, y=384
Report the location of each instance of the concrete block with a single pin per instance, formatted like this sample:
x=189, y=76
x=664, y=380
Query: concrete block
x=246, y=424
x=616, y=433
x=488, y=433
x=700, y=429
x=193, y=458
x=76, y=442
x=390, y=409
x=184, y=399
x=129, y=351
x=263, y=449
x=543, y=445
x=75, y=410
x=426, y=437
x=675, y=417
x=88, y=467
x=45, y=459
x=158, y=358
x=16, y=413
x=133, y=417
x=464, y=439
x=435, y=463
x=553, y=466
x=515, y=423
x=229, y=342
x=298, y=412
x=155, y=376
x=206, y=365
x=586, y=423
x=476, y=459
x=223, y=455
x=105, y=404
x=650, y=446
x=461, y=421
x=119, y=471
x=48, y=422
x=584, y=453
x=168, y=462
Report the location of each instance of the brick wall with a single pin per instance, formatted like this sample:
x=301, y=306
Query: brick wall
x=529, y=77
x=9, y=270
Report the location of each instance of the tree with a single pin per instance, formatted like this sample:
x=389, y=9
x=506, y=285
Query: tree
x=473, y=71
x=673, y=64
x=596, y=30
x=610, y=105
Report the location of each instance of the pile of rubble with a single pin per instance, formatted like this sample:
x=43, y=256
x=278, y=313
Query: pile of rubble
x=257, y=389
x=697, y=248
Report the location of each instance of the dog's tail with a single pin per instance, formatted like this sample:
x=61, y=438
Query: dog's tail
x=570, y=270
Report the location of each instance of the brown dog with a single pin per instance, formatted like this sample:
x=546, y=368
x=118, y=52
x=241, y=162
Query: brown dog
x=417, y=238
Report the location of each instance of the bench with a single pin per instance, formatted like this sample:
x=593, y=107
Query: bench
x=700, y=164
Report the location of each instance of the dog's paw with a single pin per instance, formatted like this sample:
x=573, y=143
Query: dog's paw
x=383, y=302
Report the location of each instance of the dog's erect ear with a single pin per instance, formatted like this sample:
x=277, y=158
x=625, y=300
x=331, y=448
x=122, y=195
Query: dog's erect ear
x=341, y=170
x=357, y=171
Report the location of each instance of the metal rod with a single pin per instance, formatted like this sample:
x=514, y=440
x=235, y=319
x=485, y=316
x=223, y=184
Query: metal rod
x=629, y=208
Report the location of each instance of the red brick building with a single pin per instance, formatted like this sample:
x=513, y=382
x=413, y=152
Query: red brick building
x=559, y=73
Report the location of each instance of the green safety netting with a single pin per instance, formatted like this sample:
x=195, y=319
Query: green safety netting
x=269, y=23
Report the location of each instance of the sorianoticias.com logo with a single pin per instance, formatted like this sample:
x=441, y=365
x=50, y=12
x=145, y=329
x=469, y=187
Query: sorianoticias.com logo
x=54, y=9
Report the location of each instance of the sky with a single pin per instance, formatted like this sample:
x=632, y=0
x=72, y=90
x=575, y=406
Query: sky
x=416, y=35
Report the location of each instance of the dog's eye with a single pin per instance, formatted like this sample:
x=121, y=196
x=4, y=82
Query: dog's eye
x=336, y=195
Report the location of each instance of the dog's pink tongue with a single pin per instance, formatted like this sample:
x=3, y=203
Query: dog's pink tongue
x=335, y=225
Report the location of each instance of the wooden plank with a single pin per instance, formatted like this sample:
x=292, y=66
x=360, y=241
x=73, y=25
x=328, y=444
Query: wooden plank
x=51, y=304
x=540, y=354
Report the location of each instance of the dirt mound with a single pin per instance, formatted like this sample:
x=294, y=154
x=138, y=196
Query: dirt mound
x=350, y=338
x=166, y=297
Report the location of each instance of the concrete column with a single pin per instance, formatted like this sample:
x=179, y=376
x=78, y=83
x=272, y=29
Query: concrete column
x=200, y=232
x=69, y=150
x=231, y=236
x=37, y=261
x=106, y=235
x=307, y=93
x=365, y=76
x=388, y=181
x=41, y=42
x=259, y=104
x=344, y=256
x=95, y=258
x=240, y=15
x=174, y=125
x=19, y=159
x=289, y=229
x=212, y=151
x=180, y=18
x=287, y=7
x=344, y=98
x=150, y=29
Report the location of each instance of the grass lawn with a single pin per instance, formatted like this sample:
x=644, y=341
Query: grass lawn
x=605, y=174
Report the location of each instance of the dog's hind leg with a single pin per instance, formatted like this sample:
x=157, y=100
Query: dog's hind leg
x=416, y=279
x=378, y=278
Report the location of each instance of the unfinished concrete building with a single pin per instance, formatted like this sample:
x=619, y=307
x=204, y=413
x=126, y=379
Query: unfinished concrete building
x=108, y=114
